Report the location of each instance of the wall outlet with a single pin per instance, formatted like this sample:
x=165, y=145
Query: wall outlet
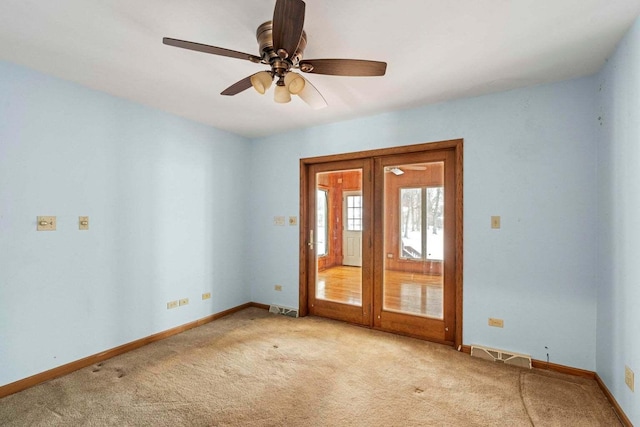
x=498, y=323
x=184, y=301
x=206, y=295
x=628, y=377
x=172, y=304
x=278, y=288
x=278, y=220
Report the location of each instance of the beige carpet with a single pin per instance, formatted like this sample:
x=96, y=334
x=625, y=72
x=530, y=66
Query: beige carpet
x=254, y=368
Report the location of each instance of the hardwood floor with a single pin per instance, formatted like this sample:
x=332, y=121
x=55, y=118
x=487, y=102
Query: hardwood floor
x=340, y=284
x=413, y=293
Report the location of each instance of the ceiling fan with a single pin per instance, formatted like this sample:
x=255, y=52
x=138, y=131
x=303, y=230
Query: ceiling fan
x=282, y=42
x=399, y=170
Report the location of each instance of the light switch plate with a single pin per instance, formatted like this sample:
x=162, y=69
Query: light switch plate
x=83, y=223
x=498, y=323
x=46, y=223
x=293, y=220
x=495, y=222
x=206, y=295
x=183, y=301
x=628, y=378
x=278, y=220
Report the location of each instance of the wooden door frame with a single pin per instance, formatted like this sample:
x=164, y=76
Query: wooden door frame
x=455, y=144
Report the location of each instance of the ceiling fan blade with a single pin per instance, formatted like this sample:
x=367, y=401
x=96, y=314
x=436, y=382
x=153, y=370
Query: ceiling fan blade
x=238, y=87
x=312, y=96
x=288, y=22
x=199, y=47
x=343, y=67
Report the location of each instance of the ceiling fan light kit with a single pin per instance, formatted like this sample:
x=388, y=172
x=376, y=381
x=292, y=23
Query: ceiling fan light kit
x=282, y=95
x=294, y=82
x=282, y=42
x=261, y=81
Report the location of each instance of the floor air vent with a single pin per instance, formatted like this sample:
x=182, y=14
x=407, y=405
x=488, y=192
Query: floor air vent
x=285, y=311
x=507, y=357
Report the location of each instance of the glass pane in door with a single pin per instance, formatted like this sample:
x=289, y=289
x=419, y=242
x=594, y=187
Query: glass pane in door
x=338, y=236
x=414, y=239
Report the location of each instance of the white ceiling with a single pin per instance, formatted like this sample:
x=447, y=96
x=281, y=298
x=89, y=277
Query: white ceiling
x=436, y=51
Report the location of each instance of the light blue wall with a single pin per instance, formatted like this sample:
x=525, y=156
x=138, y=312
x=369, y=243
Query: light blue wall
x=529, y=156
x=618, y=333
x=164, y=198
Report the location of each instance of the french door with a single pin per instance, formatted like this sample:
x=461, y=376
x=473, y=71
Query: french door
x=397, y=213
x=339, y=224
x=414, y=273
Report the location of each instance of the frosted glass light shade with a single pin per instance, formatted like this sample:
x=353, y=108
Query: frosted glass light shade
x=261, y=81
x=294, y=82
x=282, y=95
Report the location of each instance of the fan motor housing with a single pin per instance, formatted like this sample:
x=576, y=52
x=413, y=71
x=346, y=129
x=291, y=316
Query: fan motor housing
x=264, y=34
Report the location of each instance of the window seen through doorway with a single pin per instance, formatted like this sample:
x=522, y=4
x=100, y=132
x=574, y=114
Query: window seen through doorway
x=421, y=224
x=354, y=213
x=322, y=218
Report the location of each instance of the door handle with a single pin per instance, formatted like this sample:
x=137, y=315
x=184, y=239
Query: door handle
x=310, y=239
